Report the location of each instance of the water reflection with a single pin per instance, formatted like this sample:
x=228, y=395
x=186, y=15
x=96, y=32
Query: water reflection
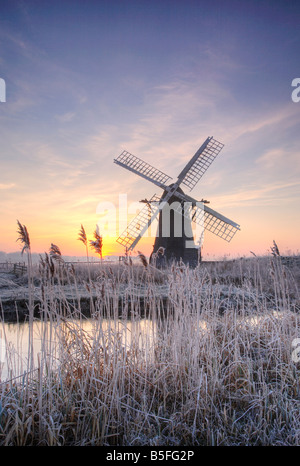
x=47, y=341
x=49, y=338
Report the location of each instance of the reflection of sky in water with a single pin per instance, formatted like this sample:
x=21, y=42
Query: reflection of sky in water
x=114, y=335
x=46, y=342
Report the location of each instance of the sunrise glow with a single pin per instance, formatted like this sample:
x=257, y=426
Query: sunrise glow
x=84, y=81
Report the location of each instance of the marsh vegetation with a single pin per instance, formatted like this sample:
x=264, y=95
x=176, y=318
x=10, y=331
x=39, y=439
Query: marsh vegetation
x=208, y=361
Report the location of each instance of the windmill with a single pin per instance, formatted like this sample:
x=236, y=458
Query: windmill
x=176, y=210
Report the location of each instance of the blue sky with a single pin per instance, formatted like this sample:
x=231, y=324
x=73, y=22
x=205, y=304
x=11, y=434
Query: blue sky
x=85, y=80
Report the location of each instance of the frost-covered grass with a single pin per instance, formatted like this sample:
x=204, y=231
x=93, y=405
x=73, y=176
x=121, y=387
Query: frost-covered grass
x=214, y=366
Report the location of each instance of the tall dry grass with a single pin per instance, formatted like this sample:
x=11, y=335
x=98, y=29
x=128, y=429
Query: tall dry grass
x=214, y=366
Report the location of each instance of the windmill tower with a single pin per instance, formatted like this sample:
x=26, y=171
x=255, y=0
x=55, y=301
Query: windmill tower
x=176, y=210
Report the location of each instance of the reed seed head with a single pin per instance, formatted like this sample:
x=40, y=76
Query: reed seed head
x=143, y=259
x=82, y=235
x=23, y=237
x=98, y=243
x=55, y=253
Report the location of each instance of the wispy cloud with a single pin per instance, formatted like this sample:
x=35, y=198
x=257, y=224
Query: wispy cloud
x=178, y=116
x=280, y=160
x=7, y=185
x=74, y=103
x=65, y=117
x=275, y=194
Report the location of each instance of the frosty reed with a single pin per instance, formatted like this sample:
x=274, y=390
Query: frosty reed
x=215, y=368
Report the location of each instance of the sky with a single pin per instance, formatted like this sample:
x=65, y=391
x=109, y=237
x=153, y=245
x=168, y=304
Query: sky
x=85, y=80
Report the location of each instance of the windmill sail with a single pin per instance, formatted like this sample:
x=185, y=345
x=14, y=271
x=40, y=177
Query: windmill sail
x=188, y=207
x=201, y=161
x=219, y=225
x=140, y=224
x=210, y=220
x=214, y=222
x=143, y=169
